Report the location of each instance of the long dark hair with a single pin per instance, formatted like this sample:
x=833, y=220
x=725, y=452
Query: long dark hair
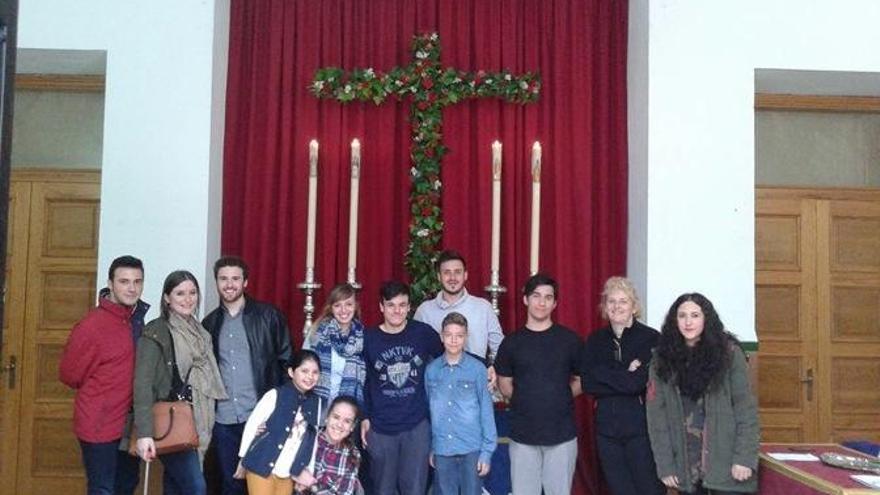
x=694, y=369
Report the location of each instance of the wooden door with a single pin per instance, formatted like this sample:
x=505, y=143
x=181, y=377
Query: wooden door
x=55, y=272
x=849, y=318
x=13, y=324
x=818, y=314
x=785, y=300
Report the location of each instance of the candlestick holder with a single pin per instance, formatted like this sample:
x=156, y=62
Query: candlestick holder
x=309, y=287
x=352, y=279
x=495, y=289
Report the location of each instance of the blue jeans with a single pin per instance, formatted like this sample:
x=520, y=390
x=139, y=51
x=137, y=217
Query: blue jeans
x=227, y=440
x=183, y=474
x=457, y=474
x=110, y=471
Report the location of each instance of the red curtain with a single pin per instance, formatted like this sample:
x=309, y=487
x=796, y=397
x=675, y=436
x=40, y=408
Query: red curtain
x=578, y=47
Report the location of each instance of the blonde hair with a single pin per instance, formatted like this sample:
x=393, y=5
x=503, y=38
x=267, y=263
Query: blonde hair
x=624, y=285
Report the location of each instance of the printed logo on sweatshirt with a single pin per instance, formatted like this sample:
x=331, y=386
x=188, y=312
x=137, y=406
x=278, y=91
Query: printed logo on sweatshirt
x=398, y=367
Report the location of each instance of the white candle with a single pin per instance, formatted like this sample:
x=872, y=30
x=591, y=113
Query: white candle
x=496, y=206
x=536, y=207
x=313, y=205
x=353, y=209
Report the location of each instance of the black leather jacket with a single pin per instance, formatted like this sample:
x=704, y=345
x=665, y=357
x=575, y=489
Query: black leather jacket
x=268, y=338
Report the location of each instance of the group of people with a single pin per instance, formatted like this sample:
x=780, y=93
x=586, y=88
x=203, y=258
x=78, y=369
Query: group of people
x=372, y=409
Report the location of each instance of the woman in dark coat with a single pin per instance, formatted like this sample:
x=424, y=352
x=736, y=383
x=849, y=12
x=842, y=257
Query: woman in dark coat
x=702, y=414
x=615, y=373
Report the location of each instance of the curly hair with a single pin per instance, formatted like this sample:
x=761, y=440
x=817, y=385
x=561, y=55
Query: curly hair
x=694, y=369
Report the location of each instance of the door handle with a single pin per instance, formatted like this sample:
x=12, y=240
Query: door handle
x=808, y=379
x=10, y=368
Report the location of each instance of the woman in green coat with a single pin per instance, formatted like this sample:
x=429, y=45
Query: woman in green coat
x=702, y=414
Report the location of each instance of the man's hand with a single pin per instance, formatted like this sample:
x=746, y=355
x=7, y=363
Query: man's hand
x=482, y=469
x=634, y=365
x=493, y=378
x=365, y=427
x=146, y=448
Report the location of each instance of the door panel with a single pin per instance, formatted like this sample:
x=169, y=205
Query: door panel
x=62, y=251
x=849, y=318
x=785, y=256
x=818, y=314
x=16, y=267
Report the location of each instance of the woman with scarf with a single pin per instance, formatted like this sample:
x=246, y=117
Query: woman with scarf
x=173, y=352
x=338, y=340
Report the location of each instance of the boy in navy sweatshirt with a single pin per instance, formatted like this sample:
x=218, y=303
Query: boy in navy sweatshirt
x=396, y=431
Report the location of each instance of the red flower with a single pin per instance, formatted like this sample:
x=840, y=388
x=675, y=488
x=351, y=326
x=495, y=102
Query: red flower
x=422, y=105
x=427, y=211
x=427, y=83
x=429, y=152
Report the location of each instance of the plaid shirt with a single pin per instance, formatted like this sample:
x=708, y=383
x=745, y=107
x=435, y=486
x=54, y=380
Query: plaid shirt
x=336, y=468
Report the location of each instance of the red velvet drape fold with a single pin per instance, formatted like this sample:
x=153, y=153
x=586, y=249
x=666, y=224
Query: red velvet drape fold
x=578, y=47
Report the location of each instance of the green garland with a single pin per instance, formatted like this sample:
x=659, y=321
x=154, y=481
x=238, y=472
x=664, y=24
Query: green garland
x=431, y=88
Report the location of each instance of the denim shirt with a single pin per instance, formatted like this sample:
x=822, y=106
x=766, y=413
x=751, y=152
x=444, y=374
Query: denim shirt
x=462, y=417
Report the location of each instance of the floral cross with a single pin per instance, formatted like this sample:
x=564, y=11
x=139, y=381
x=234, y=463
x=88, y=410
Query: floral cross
x=431, y=88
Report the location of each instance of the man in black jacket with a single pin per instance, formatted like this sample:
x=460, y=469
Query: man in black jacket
x=251, y=344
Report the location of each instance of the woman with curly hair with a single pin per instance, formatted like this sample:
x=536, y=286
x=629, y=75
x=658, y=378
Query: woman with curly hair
x=702, y=415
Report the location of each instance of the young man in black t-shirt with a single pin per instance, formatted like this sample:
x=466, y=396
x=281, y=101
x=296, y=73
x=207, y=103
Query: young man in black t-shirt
x=537, y=369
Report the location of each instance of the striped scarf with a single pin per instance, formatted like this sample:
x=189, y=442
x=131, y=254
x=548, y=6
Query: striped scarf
x=350, y=346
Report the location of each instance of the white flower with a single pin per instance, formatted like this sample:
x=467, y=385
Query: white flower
x=473, y=84
x=457, y=79
x=369, y=73
x=488, y=81
x=434, y=36
x=398, y=82
x=421, y=54
x=523, y=85
x=414, y=171
x=319, y=85
x=507, y=77
x=347, y=88
x=423, y=233
x=437, y=185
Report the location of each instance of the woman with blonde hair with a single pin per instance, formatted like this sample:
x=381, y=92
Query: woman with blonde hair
x=338, y=340
x=616, y=359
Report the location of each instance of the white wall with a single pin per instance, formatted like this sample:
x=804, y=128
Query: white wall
x=163, y=124
x=696, y=158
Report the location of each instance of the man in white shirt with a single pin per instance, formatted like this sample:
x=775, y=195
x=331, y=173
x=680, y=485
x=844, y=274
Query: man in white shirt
x=484, y=330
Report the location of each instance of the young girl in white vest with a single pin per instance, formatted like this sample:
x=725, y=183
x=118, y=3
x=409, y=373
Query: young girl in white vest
x=279, y=437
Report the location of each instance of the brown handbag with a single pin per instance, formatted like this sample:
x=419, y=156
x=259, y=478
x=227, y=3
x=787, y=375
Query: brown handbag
x=174, y=428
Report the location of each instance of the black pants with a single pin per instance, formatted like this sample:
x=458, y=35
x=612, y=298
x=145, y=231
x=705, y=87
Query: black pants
x=628, y=464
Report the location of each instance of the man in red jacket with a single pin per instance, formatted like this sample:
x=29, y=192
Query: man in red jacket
x=98, y=362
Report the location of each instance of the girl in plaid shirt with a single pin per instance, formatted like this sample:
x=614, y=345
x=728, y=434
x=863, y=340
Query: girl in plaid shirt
x=336, y=459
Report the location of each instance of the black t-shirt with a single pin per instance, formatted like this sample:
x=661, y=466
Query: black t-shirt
x=541, y=365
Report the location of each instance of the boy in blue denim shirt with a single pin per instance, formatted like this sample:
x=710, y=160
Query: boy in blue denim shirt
x=463, y=432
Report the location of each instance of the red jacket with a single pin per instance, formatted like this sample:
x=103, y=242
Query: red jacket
x=98, y=362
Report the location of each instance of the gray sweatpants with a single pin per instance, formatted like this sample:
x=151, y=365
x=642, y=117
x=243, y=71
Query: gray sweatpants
x=549, y=466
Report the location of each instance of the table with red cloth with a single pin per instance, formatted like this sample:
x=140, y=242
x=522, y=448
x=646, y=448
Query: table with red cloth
x=808, y=477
